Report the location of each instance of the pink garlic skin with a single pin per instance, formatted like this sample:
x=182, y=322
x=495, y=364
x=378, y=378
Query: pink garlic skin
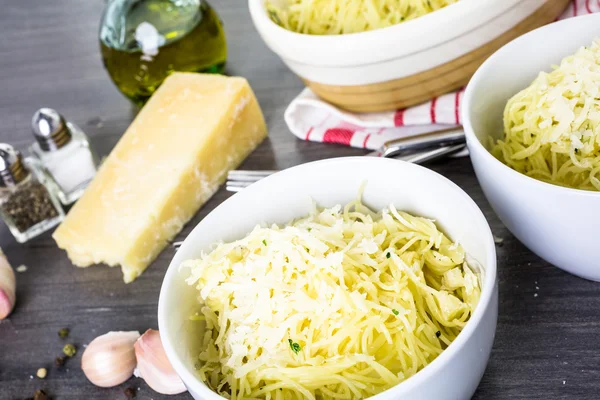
x=154, y=366
x=8, y=283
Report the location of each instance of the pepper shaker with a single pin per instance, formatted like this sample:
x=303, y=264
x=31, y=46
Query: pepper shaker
x=26, y=205
x=65, y=154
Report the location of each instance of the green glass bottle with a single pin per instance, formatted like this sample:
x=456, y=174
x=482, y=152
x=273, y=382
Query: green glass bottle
x=143, y=41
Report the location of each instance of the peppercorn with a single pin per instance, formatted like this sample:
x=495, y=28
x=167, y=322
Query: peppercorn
x=130, y=393
x=63, y=333
x=60, y=361
x=40, y=395
x=41, y=373
x=70, y=350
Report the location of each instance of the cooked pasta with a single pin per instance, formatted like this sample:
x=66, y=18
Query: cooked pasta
x=552, y=128
x=335, y=17
x=342, y=304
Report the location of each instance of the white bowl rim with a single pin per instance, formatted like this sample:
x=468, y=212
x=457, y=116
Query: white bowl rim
x=486, y=297
x=399, y=30
x=281, y=29
x=473, y=140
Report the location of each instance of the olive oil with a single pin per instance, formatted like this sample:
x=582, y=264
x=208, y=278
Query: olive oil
x=143, y=41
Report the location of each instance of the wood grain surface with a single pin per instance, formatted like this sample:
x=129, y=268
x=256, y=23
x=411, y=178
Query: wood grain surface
x=546, y=345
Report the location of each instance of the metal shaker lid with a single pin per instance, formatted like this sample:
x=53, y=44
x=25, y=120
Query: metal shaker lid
x=50, y=129
x=12, y=170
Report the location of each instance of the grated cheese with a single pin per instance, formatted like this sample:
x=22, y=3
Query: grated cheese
x=344, y=303
x=552, y=128
x=334, y=17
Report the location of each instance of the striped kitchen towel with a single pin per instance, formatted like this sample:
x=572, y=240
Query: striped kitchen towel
x=310, y=118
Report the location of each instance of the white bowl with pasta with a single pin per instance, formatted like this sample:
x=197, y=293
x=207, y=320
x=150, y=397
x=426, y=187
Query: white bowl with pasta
x=557, y=223
x=406, y=63
x=287, y=195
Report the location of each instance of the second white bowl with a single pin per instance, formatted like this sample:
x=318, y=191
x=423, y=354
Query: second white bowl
x=558, y=224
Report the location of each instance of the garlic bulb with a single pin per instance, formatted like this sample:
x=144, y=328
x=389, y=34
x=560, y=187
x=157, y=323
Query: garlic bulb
x=109, y=360
x=154, y=366
x=8, y=285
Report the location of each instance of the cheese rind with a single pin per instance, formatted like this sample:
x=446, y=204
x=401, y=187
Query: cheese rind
x=170, y=161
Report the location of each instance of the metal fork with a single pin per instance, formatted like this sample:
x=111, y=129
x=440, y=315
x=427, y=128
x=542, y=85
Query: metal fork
x=240, y=179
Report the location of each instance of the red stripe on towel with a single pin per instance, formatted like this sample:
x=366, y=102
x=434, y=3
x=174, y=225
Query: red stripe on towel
x=457, y=107
x=432, y=110
x=308, y=133
x=338, y=135
x=366, y=140
x=399, y=116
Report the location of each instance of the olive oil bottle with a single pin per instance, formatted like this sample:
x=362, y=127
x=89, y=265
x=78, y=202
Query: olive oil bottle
x=143, y=41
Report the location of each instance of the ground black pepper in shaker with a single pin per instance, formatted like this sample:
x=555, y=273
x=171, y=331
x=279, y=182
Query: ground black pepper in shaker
x=27, y=207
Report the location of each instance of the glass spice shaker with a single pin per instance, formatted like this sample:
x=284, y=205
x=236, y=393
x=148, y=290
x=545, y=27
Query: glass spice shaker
x=27, y=207
x=64, y=153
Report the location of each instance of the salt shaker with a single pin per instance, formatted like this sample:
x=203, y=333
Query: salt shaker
x=65, y=154
x=26, y=205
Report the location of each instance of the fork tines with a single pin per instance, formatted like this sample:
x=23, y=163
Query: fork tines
x=240, y=179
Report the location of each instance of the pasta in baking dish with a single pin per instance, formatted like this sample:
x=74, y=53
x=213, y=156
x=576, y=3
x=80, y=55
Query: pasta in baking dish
x=335, y=17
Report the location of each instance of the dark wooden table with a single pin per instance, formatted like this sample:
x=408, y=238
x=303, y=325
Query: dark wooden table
x=546, y=345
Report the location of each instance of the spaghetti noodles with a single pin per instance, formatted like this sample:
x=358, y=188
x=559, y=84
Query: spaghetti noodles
x=342, y=304
x=335, y=17
x=552, y=128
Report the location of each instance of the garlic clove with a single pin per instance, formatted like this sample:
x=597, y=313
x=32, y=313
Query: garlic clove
x=154, y=366
x=109, y=360
x=8, y=283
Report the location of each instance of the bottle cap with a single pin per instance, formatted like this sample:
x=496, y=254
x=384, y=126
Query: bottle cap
x=12, y=170
x=50, y=129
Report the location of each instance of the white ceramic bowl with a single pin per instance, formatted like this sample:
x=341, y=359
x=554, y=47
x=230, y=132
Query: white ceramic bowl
x=393, y=52
x=455, y=374
x=558, y=224
x=406, y=63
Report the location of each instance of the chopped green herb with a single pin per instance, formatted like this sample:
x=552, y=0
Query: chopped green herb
x=309, y=229
x=438, y=334
x=275, y=17
x=396, y=312
x=388, y=255
x=264, y=242
x=63, y=333
x=69, y=350
x=294, y=346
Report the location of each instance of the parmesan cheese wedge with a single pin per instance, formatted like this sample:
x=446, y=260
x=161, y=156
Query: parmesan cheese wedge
x=170, y=161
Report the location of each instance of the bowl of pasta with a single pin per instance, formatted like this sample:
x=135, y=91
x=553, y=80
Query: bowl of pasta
x=531, y=118
x=368, y=56
x=343, y=278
